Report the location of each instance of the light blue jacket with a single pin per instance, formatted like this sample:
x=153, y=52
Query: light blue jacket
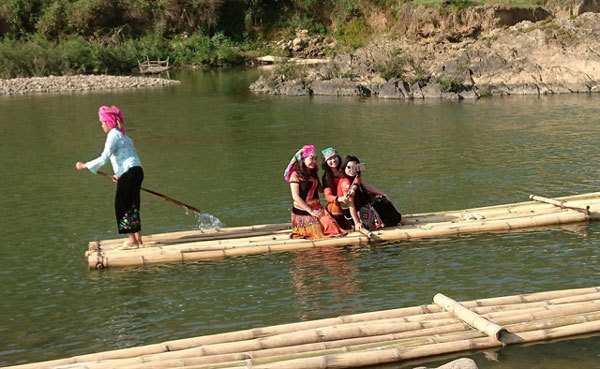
x=121, y=152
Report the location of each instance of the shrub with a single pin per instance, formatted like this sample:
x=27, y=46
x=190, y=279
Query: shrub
x=54, y=22
x=290, y=70
x=450, y=85
x=29, y=58
x=392, y=68
x=77, y=53
x=353, y=34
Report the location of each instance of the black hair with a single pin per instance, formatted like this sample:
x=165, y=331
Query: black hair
x=304, y=171
x=328, y=176
x=360, y=197
x=348, y=159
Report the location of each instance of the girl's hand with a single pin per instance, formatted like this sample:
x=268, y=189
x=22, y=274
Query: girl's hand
x=115, y=178
x=314, y=213
x=80, y=165
x=342, y=199
x=358, y=227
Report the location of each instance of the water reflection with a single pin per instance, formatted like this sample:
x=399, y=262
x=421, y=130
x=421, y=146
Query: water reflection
x=328, y=276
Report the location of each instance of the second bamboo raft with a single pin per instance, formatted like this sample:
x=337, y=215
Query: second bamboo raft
x=372, y=338
x=180, y=247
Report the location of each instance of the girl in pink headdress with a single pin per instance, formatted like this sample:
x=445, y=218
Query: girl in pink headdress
x=128, y=173
x=309, y=219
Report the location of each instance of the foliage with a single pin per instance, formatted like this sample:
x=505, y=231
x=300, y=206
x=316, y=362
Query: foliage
x=110, y=36
x=393, y=67
x=291, y=70
x=484, y=93
x=200, y=49
x=450, y=85
x=353, y=34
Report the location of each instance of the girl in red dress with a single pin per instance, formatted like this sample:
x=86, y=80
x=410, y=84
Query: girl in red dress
x=331, y=164
x=309, y=219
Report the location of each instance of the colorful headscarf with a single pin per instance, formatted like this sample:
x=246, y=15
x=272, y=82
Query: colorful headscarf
x=112, y=116
x=304, y=152
x=328, y=153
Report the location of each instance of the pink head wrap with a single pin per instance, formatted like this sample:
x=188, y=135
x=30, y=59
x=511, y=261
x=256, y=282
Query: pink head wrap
x=304, y=152
x=112, y=116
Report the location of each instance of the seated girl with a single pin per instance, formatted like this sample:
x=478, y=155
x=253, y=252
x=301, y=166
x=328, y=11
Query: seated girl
x=331, y=164
x=309, y=219
x=367, y=206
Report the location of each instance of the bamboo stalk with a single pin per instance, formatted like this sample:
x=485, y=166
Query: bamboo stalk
x=161, y=196
x=181, y=344
x=365, y=358
x=203, y=248
x=291, y=347
x=469, y=317
x=491, y=211
x=199, y=234
x=445, y=342
x=162, y=256
x=435, y=335
x=560, y=203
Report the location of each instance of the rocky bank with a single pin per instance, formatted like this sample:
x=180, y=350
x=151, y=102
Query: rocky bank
x=21, y=86
x=483, y=51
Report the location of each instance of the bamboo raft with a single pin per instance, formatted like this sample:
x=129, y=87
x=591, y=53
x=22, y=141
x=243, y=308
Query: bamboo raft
x=445, y=327
x=198, y=245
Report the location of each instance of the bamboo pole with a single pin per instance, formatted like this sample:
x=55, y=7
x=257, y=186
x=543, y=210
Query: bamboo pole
x=203, y=351
x=197, y=357
x=365, y=358
x=163, y=256
x=290, y=361
x=555, y=297
x=198, y=234
x=469, y=317
x=457, y=331
x=560, y=203
x=490, y=211
x=499, y=218
x=161, y=196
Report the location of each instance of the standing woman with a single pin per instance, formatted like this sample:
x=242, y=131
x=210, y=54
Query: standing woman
x=331, y=164
x=309, y=219
x=128, y=173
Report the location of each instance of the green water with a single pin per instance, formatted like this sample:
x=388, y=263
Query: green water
x=211, y=143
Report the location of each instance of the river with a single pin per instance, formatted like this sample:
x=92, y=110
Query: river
x=211, y=143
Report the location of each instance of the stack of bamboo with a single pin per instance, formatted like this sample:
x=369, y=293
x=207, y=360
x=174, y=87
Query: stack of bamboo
x=372, y=338
x=214, y=244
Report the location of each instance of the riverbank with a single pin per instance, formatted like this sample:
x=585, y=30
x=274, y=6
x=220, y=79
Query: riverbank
x=22, y=86
x=484, y=51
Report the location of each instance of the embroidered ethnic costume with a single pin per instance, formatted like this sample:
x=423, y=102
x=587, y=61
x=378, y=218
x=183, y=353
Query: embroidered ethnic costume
x=305, y=225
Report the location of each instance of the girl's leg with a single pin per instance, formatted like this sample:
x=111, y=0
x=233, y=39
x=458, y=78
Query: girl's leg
x=138, y=238
x=131, y=240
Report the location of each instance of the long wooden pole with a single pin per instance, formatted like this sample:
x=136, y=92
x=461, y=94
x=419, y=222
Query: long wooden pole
x=560, y=203
x=164, y=197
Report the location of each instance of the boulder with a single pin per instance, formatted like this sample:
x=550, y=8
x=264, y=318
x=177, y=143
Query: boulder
x=463, y=363
x=339, y=87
